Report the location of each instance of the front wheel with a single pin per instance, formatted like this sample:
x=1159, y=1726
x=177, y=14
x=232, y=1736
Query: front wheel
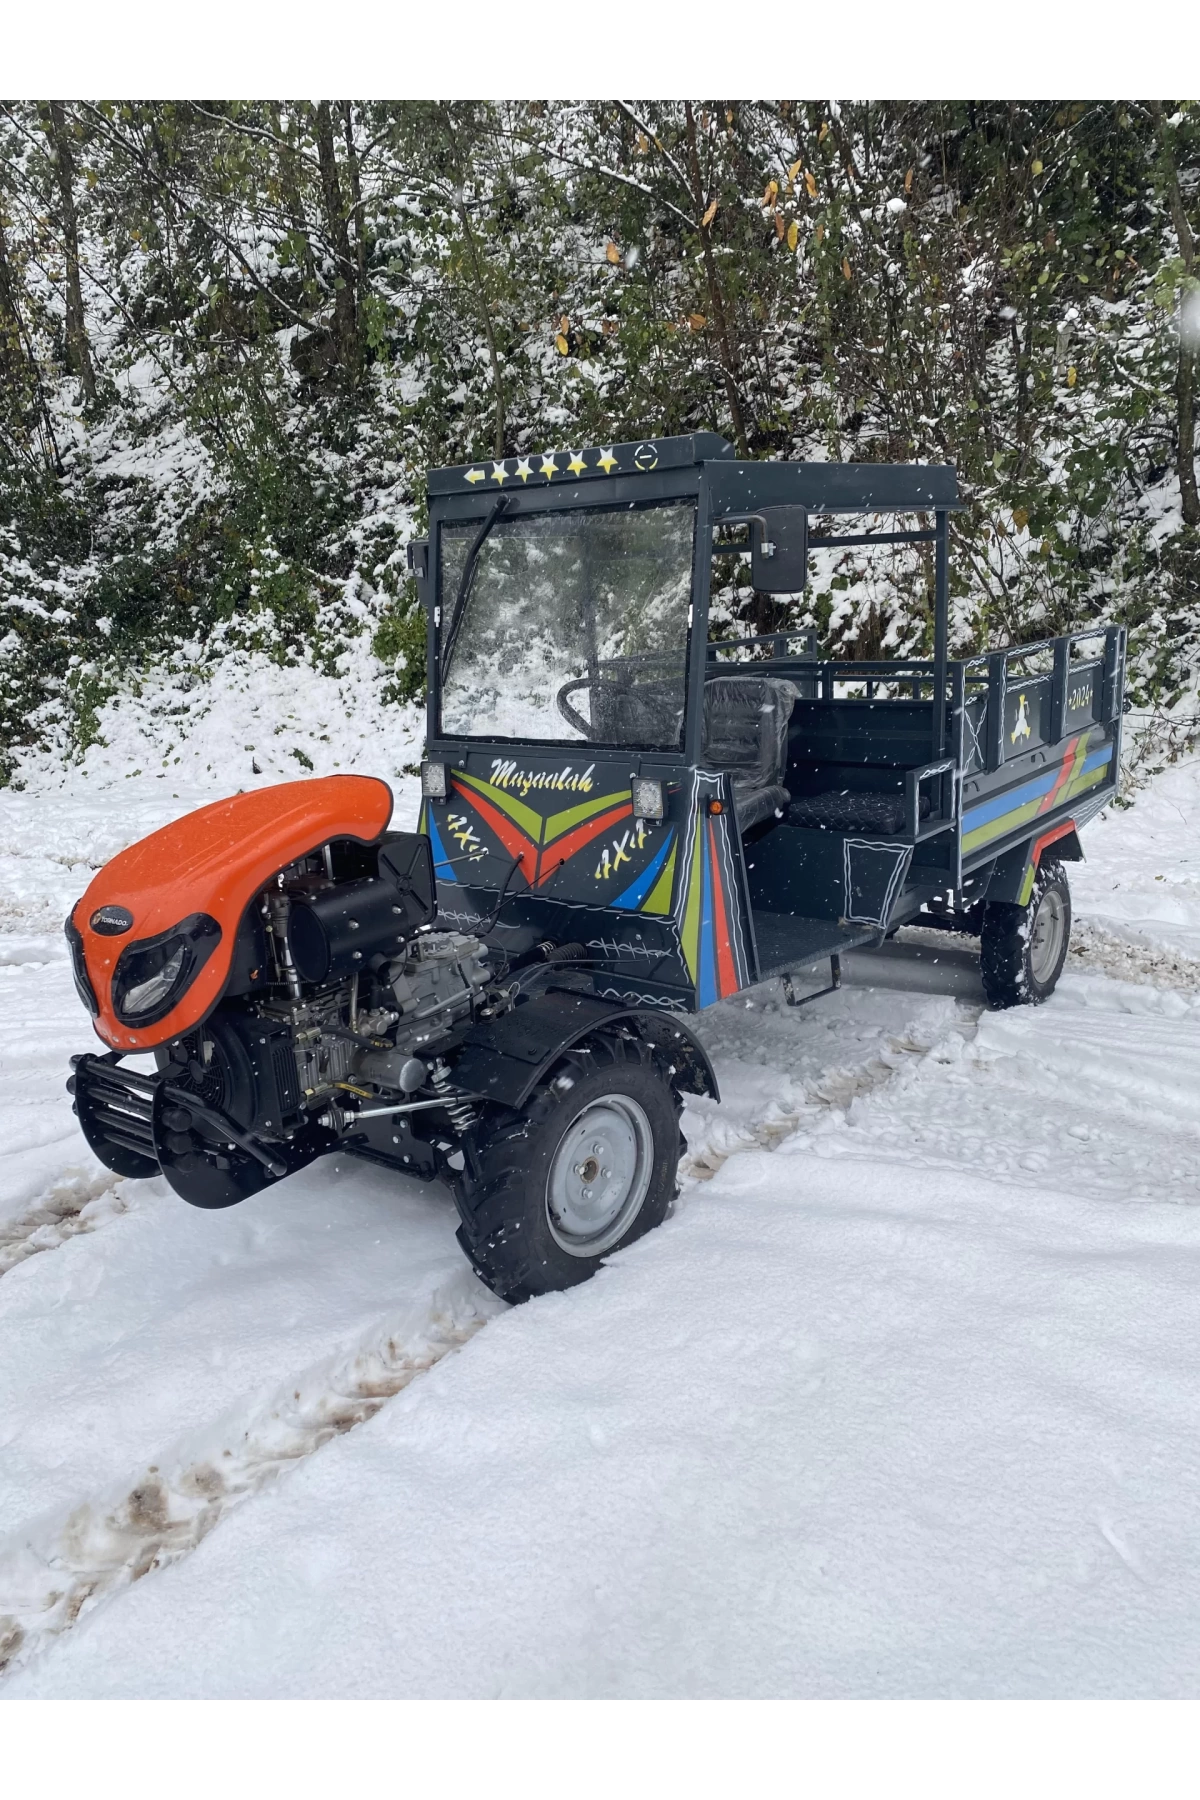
x=1023, y=948
x=587, y=1167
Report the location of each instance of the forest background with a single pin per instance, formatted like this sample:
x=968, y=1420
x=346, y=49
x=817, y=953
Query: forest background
x=233, y=336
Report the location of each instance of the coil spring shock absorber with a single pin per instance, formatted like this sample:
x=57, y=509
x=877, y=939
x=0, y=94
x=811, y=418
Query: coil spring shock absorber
x=459, y=1111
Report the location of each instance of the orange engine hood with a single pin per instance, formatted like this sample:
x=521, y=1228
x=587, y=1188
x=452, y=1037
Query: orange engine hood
x=214, y=861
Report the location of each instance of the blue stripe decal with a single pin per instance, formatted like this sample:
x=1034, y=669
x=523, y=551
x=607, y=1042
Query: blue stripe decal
x=442, y=868
x=708, y=975
x=1009, y=800
x=1012, y=798
x=640, y=886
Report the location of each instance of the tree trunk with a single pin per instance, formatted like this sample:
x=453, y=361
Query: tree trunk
x=485, y=311
x=345, y=311
x=18, y=365
x=716, y=297
x=1185, y=372
x=289, y=187
x=356, y=198
x=79, y=356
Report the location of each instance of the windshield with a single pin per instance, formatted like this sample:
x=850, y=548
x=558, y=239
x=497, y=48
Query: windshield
x=574, y=626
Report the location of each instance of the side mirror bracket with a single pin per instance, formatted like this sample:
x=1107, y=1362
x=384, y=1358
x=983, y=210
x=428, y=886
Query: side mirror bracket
x=778, y=547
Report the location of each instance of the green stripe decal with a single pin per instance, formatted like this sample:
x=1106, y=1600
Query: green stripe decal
x=559, y=822
x=659, y=898
x=691, y=914
x=522, y=815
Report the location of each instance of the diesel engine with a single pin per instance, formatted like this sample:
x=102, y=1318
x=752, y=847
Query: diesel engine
x=332, y=1028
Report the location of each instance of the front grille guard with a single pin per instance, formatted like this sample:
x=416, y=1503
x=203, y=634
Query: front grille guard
x=143, y=1125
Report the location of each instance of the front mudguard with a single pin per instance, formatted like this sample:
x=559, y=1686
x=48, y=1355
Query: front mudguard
x=504, y=1059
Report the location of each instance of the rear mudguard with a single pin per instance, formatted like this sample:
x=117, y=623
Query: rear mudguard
x=1013, y=873
x=504, y=1059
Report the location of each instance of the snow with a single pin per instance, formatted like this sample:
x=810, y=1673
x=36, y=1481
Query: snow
x=899, y=1401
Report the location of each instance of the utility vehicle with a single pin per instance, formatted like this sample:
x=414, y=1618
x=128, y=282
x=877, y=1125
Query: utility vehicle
x=623, y=820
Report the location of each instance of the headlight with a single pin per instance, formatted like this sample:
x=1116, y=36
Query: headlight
x=151, y=976
x=648, y=800
x=433, y=780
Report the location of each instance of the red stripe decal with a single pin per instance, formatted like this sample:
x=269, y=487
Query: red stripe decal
x=726, y=977
x=566, y=847
x=513, y=839
x=1066, y=770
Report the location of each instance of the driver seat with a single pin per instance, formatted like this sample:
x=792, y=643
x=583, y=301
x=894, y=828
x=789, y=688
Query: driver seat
x=745, y=735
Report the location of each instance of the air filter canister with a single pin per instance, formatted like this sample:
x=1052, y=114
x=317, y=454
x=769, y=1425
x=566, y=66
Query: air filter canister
x=335, y=932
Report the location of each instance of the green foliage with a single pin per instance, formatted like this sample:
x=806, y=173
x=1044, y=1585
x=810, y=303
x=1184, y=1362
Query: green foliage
x=280, y=352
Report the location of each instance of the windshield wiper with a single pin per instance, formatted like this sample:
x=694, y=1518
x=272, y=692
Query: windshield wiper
x=464, y=586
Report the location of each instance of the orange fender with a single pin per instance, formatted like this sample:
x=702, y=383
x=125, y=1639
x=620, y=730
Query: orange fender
x=214, y=861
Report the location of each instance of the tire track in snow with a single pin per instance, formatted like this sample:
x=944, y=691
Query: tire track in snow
x=76, y=1204
x=61, y=1567
x=823, y=1098
x=1098, y=951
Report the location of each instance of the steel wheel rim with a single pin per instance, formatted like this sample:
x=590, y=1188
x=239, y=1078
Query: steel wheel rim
x=1046, y=933
x=600, y=1176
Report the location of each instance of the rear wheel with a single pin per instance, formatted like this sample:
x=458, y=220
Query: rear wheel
x=586, y=1168
x=1023, y=948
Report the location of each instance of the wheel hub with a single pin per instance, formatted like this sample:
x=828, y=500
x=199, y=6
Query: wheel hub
x=600, y=1176
x=1046, y=935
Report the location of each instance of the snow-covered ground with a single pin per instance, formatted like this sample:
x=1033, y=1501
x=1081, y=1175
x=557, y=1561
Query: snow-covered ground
x=900, y=1401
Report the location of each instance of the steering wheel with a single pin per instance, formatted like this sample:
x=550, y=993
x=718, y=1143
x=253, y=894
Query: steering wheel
x=568, y=711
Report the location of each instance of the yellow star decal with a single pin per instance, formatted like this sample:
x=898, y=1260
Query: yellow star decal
x=607, y=462
x=576, y=466
x=499, y=473
x=549, y=466
x=473, y=475
x=523, y=469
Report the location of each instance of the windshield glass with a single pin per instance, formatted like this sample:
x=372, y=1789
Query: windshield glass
x=574, y=626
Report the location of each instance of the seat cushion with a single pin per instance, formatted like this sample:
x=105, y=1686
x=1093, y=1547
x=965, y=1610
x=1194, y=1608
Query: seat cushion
x=754, y=804
x=848, y=810
x=745, y=726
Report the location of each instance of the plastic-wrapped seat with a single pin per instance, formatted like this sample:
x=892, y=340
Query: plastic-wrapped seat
x=745, y=733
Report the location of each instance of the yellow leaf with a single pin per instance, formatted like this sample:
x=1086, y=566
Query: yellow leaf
x=643, y=143
x=794, y=170
x=1072, y=375
x=711, y=214
x=793, y=237
x=1037, y=165
x=824, y=131
x=1020, y=517
x=729, y=115
x=612, y=253
x=810, y=182
x=846, y=267
x=564, y=324
x=779, y=225
x=768, y=198
x=819, y=234
x=561, y=344
x=697, y=321
x=908, y=181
